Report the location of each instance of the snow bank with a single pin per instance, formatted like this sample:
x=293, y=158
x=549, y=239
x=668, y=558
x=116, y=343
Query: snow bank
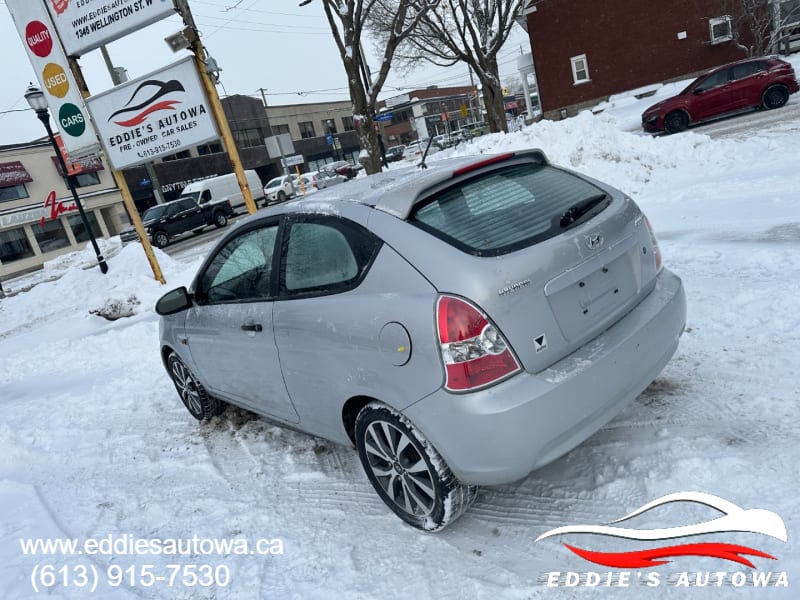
x=81, y=293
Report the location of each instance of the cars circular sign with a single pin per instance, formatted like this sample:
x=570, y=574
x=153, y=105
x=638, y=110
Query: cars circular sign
x=71, y=119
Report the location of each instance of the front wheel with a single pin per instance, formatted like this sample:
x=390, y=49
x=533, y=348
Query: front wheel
x=407, y=472
x=197, y=401
x=220, y=220
x=160, y=239
x=676, y=122
x=775, y=96
x=281, y=196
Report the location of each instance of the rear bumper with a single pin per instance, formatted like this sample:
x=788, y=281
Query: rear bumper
x=501, y=434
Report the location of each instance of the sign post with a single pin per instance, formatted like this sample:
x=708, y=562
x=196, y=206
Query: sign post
x=280, y=145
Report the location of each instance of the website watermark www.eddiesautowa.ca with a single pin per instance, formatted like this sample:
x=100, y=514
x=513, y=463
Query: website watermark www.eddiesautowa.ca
x=643, y=567
x=137, y=562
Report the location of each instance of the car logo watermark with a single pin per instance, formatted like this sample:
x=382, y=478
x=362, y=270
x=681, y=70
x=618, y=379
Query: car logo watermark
x=734, y=519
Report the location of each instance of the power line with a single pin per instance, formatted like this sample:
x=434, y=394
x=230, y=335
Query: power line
x=303, y=16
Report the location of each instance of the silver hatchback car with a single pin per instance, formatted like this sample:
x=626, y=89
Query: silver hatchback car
x=461, y=325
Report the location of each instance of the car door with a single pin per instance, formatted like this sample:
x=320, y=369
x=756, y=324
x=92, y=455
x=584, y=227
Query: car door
x=747, y=83
x=711, y=96
x=322, y=327
x=185, y=215
x=230, y=331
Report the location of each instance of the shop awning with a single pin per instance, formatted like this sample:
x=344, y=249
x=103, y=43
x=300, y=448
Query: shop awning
x=13, y=173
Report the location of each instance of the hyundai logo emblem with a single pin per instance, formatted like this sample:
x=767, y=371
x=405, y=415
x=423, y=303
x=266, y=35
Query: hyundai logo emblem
x=594, y=241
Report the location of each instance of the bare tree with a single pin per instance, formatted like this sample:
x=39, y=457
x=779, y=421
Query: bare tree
x=757, y=26
x=466, y=31
x=347, y=19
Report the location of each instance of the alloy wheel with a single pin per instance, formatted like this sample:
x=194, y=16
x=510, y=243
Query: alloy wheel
x=187, y=387
x=400, y=468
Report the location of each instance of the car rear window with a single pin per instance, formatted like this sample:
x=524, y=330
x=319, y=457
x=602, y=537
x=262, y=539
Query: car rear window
x=508, y=209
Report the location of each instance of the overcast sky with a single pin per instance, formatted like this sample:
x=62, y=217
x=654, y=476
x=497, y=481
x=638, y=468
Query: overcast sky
x=269, y=44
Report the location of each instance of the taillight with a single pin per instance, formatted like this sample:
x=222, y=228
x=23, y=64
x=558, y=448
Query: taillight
x=474, y=352
x=654, y=241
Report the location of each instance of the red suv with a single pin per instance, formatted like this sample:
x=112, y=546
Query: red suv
x=764, y=82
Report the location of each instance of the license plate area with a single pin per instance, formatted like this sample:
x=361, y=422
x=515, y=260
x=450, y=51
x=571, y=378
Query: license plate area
x=585, y=301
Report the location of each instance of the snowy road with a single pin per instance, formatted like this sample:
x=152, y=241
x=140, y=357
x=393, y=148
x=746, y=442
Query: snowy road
x=94, y=442
x=763, y=121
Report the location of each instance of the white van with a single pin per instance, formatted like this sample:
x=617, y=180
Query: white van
x=224, y=187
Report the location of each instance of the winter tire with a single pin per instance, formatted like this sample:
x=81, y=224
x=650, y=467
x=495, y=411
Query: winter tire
x=160, y=239
x=197, y=401
x=407, y=472
x=676, y=121
x=775, y=96
x=220, y=220
x=281, y=196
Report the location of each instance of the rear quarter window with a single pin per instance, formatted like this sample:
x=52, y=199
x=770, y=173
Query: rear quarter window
x=506, y=209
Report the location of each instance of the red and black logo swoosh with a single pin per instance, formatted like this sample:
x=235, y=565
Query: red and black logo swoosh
x=733, y=519
x=153, y=91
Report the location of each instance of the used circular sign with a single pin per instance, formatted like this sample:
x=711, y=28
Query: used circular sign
x=38, y=38
x=71, y=120
x=55, y=80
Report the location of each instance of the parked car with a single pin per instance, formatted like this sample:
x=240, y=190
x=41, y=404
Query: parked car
x=477, y=128
x=415, y=150
x=163, y=222
x=342, y=167
x=326, y=179
x=754, y=83
x=395, y=153
x=279, y=189
x=309, y=181
x=460, y=327
x=447, y=140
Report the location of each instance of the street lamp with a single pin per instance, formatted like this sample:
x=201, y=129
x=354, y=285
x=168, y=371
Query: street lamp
x=38, y=103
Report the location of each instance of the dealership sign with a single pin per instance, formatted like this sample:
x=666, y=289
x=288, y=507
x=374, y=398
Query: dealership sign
x=88, y=24
x=161, y=113
x=636, y=553
x=50, y=65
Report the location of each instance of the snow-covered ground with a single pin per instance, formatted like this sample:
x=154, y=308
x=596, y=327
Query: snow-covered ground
x=95, y=443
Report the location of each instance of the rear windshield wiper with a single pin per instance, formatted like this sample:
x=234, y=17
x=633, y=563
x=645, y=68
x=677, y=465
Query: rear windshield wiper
x=576, y=211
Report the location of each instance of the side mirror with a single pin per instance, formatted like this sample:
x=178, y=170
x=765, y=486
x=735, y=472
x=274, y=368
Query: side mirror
x=175, y=301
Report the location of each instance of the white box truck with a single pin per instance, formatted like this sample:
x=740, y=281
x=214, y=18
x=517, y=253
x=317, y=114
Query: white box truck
x=225, y=187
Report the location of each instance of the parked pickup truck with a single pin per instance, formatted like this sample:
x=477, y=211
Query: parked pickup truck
x=166, y=221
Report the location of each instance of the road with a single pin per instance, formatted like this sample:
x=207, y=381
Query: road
x=188, y=246
x=760, y=121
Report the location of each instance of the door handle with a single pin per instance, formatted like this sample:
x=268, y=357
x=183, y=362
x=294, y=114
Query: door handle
x=255, y=327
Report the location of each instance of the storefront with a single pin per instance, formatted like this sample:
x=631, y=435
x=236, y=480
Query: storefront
x=38, y=217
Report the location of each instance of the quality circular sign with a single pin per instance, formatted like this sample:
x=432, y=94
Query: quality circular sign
x=71, y=120
x=38, y=38
x=55, y=80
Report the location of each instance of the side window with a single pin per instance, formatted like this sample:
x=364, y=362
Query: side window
x=205, y=196
x=718, y=78
x=242, y=269
x=325, y=256
x=187, y=204
x=746, y=70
